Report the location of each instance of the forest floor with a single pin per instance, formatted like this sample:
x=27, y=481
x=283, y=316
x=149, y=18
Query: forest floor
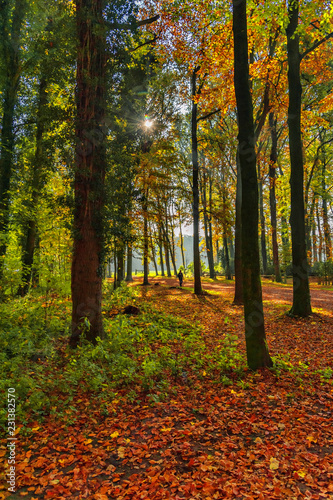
x=321, y=296
x=214, y=431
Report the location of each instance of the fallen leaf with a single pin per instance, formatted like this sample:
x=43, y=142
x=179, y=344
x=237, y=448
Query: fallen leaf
x=274, y=464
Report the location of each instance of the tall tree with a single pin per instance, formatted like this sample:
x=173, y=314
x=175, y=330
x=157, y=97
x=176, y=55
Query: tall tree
x=272, y=196
x=238, y=297
x=195, y=185
x=89, y=171
x=11, y=23
x=38, y=175
x=256, y=345
x=301, y=290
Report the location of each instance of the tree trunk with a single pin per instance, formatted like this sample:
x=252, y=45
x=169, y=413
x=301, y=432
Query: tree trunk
x=160, y=244
x=167, y=259
x=326, y=225
x=153, y=253
x=10, y=47
x=120, y=265
x=145, y=241
x=262, y=224
x=28, y=257
x=301, y=291
x=272, y=196
x=256, y=345
x=285, y=241
x=231, y=249
x=210, y=256
x=210, y=231
x=238, y=298
x=166, y=248
x=227, y=260
x=87, y=264
x=308, y=225
x=195, y=188
x=225, y=242
x=314, y=243
x=36, y=184
x=115, y=265
x=172, y=248
x=320, y=235
x=129, y=272
x=182, y=245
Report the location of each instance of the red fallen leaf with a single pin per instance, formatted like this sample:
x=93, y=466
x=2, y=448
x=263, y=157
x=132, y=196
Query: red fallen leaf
x=51, y=494
x=105, y=488
x=208, y=488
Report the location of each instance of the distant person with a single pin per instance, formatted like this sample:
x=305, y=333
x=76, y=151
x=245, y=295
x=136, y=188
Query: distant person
x=180, y=277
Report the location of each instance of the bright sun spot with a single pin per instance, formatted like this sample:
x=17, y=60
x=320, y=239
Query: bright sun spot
x=148, y=123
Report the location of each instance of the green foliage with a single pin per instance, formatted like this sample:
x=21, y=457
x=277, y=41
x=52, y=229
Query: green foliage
x=27, y=337
x=121, y=297
x=326, y=374
x=148, y=352
x=323, y=268
x=190, y=268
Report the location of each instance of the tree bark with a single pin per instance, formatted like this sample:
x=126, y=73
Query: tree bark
x=227, y=260
x=160, y=244
x=153, y=252
x=145, y=240
x=172, y=248
x=225, y=243
x=238, y=298
x=309, y=225
x=167, y=259
x=256, y=345
x=326, y=225
x=285, y=241
x=182, y=244
x=87, y=262
x=314, y=242
x=320, y=235
x=129, y=266
x=207, y=227
x=262, y=225
x=120, y=264
x=272, y=195
x=210, y=230
x=301, y=291
x=195, y=187
x=167, y=246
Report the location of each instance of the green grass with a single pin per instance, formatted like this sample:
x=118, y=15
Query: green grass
x=149, y=352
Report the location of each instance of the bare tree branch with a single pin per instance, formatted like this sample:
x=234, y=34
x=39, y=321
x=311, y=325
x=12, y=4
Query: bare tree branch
x=316, y=45
x=208, y=115
x=151, y=20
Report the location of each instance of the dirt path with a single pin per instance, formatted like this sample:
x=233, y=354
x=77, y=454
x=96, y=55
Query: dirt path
x=320, y=298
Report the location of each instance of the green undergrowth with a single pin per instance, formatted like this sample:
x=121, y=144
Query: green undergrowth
x=300, y=371
x=151, y=353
